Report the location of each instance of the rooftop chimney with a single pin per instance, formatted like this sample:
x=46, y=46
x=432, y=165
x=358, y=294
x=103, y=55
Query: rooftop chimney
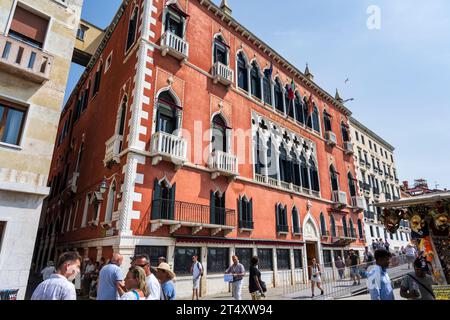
x=225, y=7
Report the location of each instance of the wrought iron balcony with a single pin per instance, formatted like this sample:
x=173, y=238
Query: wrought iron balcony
x=222, y=73
x=330, y=136
x=168, y=147
x=340, y=198
x=348, y=147
x=175, y=46
x=358, y=203
x=177, y=214
x=222, y=163
x=113, y=147
x=24, y=60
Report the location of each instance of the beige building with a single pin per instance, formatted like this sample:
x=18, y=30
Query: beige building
x=378, y=182
x=37, y=39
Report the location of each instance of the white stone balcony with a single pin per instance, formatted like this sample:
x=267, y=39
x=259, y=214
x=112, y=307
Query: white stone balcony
x=112, y=151
x=24, y=60
x=331, y=138
x=223, y=74
x=223, y=164
x=167, y=147
x=72, y=184
x=358, y=203
x=348, y=148
x=175, y=46
x=340, y=198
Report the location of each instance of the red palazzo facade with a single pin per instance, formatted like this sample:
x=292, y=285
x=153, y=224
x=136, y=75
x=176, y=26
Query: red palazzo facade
x=181, y=138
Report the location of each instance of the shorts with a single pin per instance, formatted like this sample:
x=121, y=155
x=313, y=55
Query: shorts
x=354, y=271
x=316, y=279
x=411, y=259
x=196, y=283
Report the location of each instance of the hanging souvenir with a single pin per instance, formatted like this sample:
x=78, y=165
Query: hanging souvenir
x=391, y=219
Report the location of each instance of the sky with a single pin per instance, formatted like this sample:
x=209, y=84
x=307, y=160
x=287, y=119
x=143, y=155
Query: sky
x=398, y=68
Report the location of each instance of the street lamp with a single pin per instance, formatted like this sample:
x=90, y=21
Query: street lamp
x=103, y=186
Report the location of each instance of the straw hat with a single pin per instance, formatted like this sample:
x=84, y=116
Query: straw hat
x=165, y=267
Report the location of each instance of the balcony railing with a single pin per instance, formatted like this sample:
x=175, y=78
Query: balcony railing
x=358, y=202
x=285, y=185
x=24, y=60
x=348, y=147
x=177, y=214
x=342, y=234
x=168, y=147
x=340, y=198
x=223, y=163
x=330, y=136
x=388, y=196
x=113, y=147
x=175, y=46
x=222, y=73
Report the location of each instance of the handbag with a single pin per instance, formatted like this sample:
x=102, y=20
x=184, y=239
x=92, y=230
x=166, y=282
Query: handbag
x=263, y=286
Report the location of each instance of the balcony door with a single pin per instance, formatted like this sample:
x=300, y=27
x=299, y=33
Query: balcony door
x=163, y=204
x=166, y=113
x=351, y=184
x=219, y=134
x=220, y=51
x=334, y=179
x=217, y=209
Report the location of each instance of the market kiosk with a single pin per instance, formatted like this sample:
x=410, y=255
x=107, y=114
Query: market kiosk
x=428, y=217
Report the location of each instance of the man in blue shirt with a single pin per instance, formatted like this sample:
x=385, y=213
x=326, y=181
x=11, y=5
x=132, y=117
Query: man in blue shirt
x=378, y=281
x=165, y=276
x=110, y=280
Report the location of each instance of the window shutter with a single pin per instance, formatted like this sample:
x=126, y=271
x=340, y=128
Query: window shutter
x=277, y=214
x=212, y=204
x=156, y=203
x=29, y=25
x=241, y=218
x=250, y=213
x=172, y=202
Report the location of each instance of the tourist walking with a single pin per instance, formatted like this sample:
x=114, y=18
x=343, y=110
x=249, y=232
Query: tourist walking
x=48, y=270
x=378, y=281
x=165, y=276
x=110, y=283
x=411, y=254
x=316, y=277
x=386, y=245
x=354, y=268
x=59, y=285
x=256, y=286
x=135, y=285
x=197, y=274
x=153, y=285
x=368, y=258
x=340, y=266
x=237, y=270
x=418, y=285
x=374, y=245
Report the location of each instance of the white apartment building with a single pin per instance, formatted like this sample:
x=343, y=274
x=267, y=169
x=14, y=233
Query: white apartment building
x=378, y=182
x=37, y=39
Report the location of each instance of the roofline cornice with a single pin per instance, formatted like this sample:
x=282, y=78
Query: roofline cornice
x=271, y=53
x=355, y=122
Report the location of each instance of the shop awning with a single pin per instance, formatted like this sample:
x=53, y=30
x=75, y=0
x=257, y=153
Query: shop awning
x=420, y=200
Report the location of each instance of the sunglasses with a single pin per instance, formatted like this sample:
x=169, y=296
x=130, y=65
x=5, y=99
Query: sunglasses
x=142, y=265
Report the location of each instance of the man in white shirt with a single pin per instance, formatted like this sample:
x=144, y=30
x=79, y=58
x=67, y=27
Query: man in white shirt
x=59, y=286
x=197, y=273
x=143, y=261
x=48, y=271
x=410, y=254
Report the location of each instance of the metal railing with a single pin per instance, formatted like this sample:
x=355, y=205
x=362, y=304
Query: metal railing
x=20, y=56
x=337, y=282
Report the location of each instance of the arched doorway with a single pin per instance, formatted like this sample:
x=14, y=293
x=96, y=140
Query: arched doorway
x=312, y=242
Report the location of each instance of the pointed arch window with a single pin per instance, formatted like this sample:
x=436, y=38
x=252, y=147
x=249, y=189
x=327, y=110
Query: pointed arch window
x=296, y=175
x=288, y=103
x=344, y=130
x=278, y=90
x=217, y=208
x=334, y=179
x=352, y=229
x=259, y=154
x=98, y=78
x=360, y=230
x=344, y=226
x=220, y=51
x=296, y=221
x=175, y=21
x=304, y=173
x=281, y=218
x=255, y=81
x=327, y=121
x=299, y=114
x=110, y=206
x=219, y=139
x=267, y=88
x=332, y=226
x=315, y=118
x=271, y=160
x=166, y=116
x=323, y=225
x=132, y=29
x=163, y=204
x=245, y=208
x=242, y=72
x=314, y=173
x=285, y=165
x=351, y=185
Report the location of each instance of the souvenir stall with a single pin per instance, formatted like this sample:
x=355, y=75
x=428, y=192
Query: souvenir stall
x=428, y=217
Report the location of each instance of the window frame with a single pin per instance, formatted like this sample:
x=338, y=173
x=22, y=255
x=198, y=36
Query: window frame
x=225, y=255
x=7, y=105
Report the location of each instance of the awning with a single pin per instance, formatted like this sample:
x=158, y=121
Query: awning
x=420, y=200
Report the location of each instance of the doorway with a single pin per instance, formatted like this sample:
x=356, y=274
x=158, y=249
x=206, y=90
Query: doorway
x=311, y=253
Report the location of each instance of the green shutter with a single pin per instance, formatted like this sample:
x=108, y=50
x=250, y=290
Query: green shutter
x=241, y=218
x=172, y=202
x=212, y=205
x=250, y=213
x=156, y=203
x=277, y=214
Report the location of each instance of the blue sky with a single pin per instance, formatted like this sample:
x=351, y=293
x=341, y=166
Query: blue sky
x=399, y=75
